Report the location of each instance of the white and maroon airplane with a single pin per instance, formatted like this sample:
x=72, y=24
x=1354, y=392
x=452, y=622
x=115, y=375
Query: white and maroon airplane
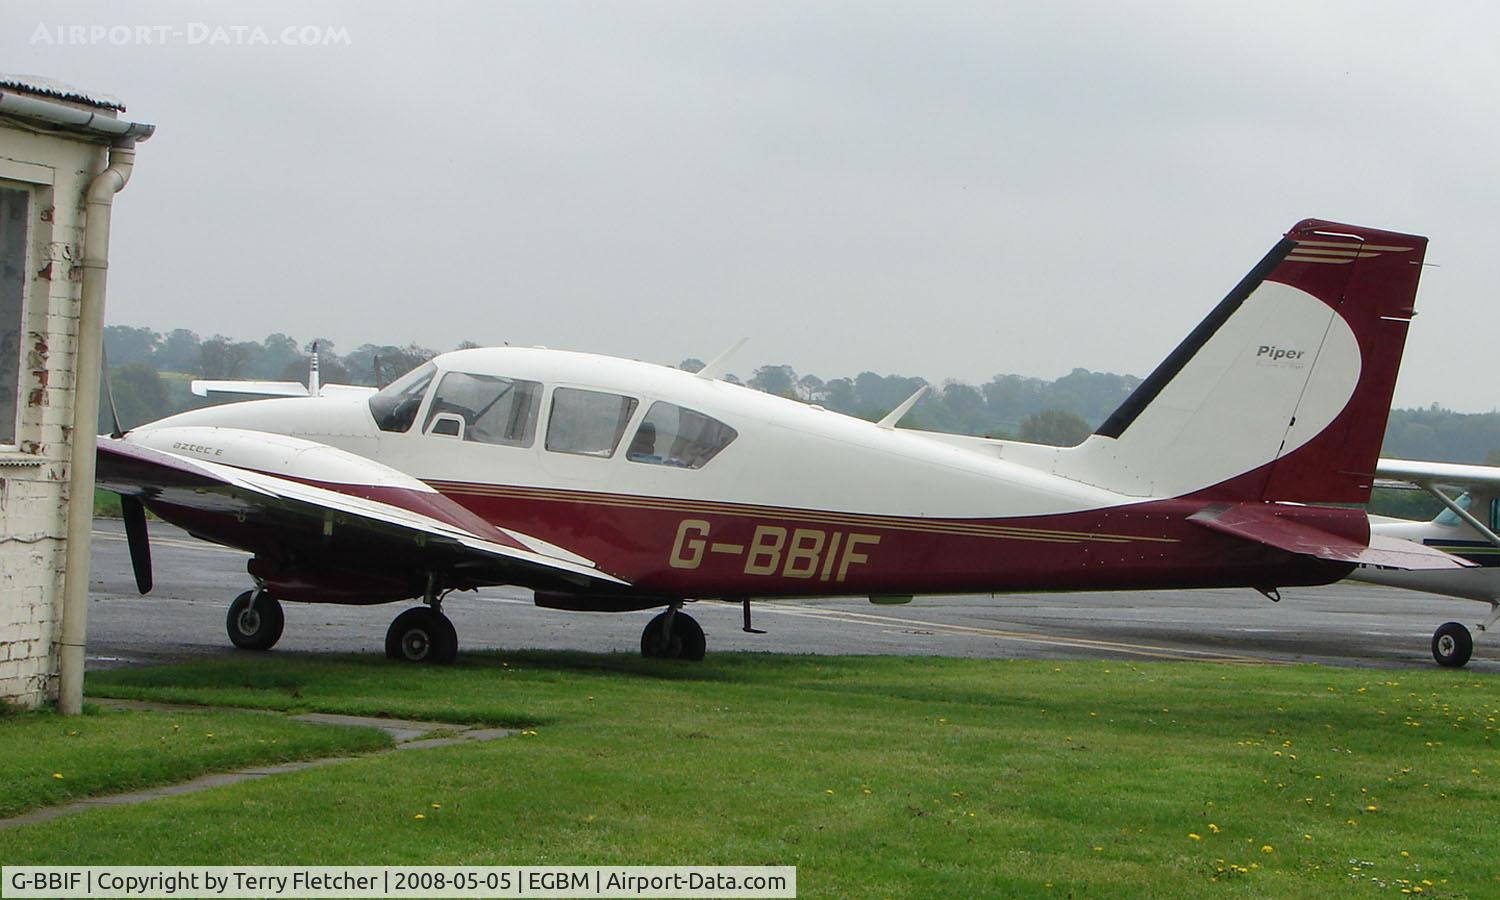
x=607, y=484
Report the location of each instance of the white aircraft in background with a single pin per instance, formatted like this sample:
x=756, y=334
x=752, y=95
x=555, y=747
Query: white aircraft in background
x=1469, y=527
x=611, y=485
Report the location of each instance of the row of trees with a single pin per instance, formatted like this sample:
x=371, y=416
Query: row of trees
x=150, y=372
x=277, y=358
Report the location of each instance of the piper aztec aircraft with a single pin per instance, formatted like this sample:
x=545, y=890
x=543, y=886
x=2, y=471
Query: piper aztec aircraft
x=1469, y=527
x=609, y=485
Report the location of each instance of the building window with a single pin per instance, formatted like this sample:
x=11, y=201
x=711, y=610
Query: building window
x=15, y=216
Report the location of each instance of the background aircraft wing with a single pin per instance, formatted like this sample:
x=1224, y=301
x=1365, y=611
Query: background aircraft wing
x=1425, y=473
x=398, y=526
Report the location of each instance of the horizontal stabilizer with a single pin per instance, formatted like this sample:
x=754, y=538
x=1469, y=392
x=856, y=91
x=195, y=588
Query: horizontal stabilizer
x=1260, y=523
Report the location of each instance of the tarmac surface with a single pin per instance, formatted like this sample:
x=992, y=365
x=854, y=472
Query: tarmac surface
x=1346, y=624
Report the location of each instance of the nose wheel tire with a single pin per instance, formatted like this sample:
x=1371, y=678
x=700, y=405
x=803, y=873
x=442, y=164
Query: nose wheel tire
x=685, y=639
x=422, y=634
x=255, y=621
x=1452, y=645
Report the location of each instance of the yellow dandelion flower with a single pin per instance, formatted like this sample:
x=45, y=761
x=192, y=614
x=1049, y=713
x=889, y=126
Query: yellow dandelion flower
x=57, y=775
x=437, y=806
x=1213, y=828
x=1267, y=848
x=419, y=816
x=1098, y=849
x=829, y=792
x=1194, y=836
x=1371, y=808
x=1307, y=837
x=1405, y=854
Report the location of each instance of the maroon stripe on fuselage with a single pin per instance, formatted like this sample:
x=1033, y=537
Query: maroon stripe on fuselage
x=690, y=548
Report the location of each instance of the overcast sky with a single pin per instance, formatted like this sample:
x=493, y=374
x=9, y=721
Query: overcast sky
x=948, y=190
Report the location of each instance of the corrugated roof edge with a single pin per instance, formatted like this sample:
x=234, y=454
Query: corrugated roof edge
x=51, y=87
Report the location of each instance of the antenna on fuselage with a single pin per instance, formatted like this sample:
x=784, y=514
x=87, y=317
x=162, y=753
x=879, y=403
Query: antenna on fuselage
x=895, y=415
x=721, y=362
x=313, y=388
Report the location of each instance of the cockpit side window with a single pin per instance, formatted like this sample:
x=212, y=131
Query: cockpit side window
x=671, y=435
x=1448, y=516
x=395, y=406
x=590, y=423
x=495, y=410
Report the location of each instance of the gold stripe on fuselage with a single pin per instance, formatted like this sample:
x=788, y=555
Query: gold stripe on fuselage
x=849, y=520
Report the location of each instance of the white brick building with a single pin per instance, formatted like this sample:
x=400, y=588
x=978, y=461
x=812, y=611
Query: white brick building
x=54, y=142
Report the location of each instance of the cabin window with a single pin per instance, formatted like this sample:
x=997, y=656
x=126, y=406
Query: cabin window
x=395, y=405
x=587, y=422
x=14, y=217
x=671, y=435
x=494, y=410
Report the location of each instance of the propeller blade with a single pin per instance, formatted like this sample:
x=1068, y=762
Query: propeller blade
x=139, y=542
x=114, y=418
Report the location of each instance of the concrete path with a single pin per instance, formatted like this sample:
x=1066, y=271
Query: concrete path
x=405, y=733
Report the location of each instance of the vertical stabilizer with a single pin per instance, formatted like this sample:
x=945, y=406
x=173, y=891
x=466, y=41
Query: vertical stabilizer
x=1282, y=393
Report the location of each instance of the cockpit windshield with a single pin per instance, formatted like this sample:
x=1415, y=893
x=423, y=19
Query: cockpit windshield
x=395, y=406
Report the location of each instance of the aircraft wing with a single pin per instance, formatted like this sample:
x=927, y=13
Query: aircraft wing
x=1256, y=522
x=203, y=388
x=398, y=522
x=1425, y=473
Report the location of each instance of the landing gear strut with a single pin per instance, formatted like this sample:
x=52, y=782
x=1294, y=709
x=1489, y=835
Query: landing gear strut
x=255, y=621
x=423, y=633
x=673, y=635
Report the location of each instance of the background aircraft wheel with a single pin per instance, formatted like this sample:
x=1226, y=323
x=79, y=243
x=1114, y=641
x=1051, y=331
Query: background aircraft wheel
x=422, y=634
x=1452, y=645
x=255, y=625
x=685, y=642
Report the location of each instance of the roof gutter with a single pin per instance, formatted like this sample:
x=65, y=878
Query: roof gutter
x=71, y=118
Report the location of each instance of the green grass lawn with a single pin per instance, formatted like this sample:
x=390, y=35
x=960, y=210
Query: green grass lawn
x=46, y=759
x=901, y=777
x=106, y=505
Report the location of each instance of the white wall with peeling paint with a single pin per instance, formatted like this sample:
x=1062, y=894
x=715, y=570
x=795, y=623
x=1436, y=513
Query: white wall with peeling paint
x=55, y=169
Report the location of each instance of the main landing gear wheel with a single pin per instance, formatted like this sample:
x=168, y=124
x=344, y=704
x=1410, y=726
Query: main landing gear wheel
x=683, y=639
x=254, y=621
x=422, y=634
x=1452, y=645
